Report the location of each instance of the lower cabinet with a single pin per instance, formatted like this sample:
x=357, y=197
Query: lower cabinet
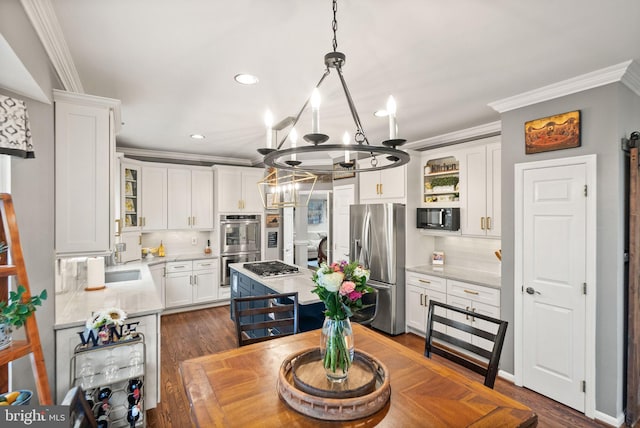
x=422, y=288
x=158, y=273
x=191, y=282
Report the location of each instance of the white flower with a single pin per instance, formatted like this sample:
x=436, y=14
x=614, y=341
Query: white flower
x=360, y=271
x=331, y=281
x=115, y=315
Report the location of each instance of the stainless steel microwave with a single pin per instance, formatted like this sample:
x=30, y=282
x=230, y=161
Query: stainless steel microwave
x=438, y=218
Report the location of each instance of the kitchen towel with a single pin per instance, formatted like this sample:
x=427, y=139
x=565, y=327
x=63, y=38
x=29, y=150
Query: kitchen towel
x=95, y=273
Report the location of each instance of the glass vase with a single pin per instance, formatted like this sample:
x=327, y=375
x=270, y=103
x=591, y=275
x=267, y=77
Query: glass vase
x=336, y=348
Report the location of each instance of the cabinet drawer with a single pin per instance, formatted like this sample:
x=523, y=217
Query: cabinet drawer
x=474, y=292
x=204, y=264
x=433, y=283
x=175, y=267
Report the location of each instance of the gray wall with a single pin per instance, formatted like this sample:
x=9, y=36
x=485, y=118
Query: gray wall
x=608, y=114
x=32, y=184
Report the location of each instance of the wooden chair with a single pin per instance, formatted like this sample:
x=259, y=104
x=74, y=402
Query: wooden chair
x=366, y=315
x=260, y=318
x=458, y=344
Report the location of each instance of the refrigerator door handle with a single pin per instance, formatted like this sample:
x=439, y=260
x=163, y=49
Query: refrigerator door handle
x=366, y=245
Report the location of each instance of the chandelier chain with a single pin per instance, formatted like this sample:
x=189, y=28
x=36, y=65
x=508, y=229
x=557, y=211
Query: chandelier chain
x=334, y=25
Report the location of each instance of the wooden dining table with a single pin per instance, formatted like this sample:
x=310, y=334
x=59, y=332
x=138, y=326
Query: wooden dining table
x=238, y=388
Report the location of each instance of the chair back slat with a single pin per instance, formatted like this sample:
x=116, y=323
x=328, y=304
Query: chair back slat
x=456, y=343
x=260, y=318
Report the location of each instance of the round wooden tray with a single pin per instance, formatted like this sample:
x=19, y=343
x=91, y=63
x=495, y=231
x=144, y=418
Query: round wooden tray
x=334, y=408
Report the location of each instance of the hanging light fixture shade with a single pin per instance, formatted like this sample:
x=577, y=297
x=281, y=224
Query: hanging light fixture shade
x=281, y=189
x=288, y=159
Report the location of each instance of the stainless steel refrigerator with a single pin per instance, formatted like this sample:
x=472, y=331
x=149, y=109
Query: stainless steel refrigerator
x=377, y=241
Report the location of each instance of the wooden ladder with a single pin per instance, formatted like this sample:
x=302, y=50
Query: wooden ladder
x=31, y=346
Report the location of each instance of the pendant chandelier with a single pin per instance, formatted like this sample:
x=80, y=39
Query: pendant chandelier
x=287, y=158
x=281, y=189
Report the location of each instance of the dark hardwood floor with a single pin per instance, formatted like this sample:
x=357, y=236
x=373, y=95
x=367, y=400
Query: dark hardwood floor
x=192, y=334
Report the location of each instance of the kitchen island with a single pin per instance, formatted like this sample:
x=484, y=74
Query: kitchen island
x=246, y=283
x=137, y=297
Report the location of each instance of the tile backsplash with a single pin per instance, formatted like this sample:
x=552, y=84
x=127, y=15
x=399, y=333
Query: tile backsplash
x=178, y=242
x=471, y=253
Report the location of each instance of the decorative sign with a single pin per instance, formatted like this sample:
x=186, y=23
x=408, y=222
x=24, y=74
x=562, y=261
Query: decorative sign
x=557, y=132
x=94, y=337
x=340, y=172
x=437, y=258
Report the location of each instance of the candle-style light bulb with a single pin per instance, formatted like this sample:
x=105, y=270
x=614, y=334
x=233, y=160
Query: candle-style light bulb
x=393, y=126
x=346, y=140
x=315, y=111
x=294, y=140
x=268, y=122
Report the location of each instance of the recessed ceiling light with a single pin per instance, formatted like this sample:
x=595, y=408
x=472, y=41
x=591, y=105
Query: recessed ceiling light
x=381, y=113
x=197, y=136
x=246, y=79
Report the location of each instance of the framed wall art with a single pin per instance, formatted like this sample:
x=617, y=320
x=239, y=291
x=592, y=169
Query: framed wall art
x=558, y=132
x=340, y=172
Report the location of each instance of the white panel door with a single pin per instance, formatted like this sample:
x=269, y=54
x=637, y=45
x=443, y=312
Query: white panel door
x=343, y=197
x=554, y=270
x=473, y=207
x=202, y=199
x=229, y=190
x=205, y=288
x=252, y=202
x=178, y=198
x=494, y=198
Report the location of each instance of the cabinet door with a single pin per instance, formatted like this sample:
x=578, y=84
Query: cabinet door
x=154, y=198
x=202, y=199
x=474, y=198
x=158, y=275
x=392, y=184
x=206, y=286
x=416, y=312
x=368, y=183
x=490, y=311
x=130, y=190
x=82, y=178
x=252, y=202
x=179, y=198
x=178, y=289
x=494, y=201
x=461, y=303
x=229, y=190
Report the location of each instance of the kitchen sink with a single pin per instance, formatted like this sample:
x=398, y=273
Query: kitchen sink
x=122, y=275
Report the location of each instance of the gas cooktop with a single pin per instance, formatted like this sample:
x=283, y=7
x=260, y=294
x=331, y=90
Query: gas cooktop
x=271, y=268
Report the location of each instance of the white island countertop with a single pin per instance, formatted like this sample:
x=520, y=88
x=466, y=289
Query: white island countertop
x=459, y=273
x=301, y=282
x=136, y=298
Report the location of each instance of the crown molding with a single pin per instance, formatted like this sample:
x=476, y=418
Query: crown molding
x=627, y=72
x=45, y=22
x=183, y=157
x=456, y=137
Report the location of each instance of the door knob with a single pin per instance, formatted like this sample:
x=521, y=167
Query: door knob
x=531, y=290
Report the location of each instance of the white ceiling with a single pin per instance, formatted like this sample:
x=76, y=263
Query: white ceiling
x=172, y=63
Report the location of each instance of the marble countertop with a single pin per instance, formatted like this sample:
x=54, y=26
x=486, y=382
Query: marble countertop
x=175, y=258
x=136, y=298
x=302, y=283
x=459, y=273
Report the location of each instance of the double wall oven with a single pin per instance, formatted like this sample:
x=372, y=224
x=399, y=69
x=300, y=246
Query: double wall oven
x=239, y=242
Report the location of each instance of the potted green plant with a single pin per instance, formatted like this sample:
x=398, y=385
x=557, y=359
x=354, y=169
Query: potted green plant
x=14, y=313
x=444, y=183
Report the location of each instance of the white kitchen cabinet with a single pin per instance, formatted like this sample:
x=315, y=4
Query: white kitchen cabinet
x=475, y=298
x=387, y=185
x=480, y=199
x=68, y=338
x=237, y=189
x=85, y=128
x=191, y=282
x=130, y=201
x=154, y=198
x=158, y=273
x=420, y=290
x=190, y=198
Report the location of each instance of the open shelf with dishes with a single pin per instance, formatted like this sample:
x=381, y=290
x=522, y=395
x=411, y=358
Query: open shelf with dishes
x=440, y=184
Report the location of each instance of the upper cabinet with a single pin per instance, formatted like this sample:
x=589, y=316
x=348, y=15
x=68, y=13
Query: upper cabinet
x=130, y=200
x=85, y=171
x=480, y=200
x=190, y=198
x=387, y=185
x=237, y=189
x=143, y=191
